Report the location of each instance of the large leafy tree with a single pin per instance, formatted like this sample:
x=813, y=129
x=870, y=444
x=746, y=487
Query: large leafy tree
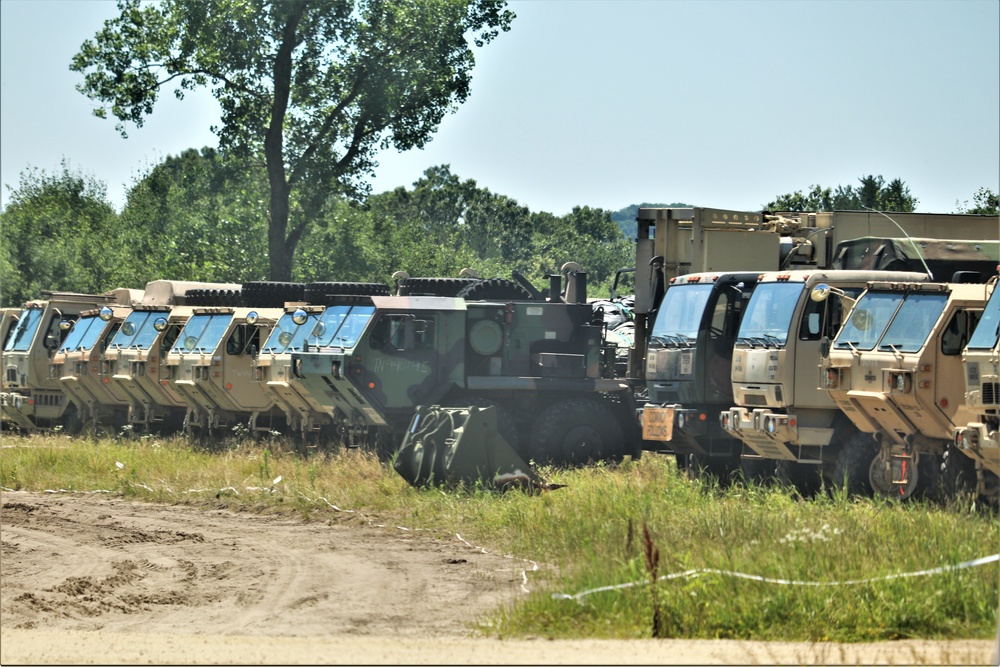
x=315, y=86
x=58, y=233
x=871, y=192
x=195, y=216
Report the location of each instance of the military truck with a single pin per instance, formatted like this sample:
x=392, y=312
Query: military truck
x=31, y=398
x=307, y=322
x=101, y=406
x=135, y=359
x=780, y=241
x=675, y=241
x=895, y=371
x=687, y=369
x=780, y=412
x=977, y=437
x=537, y=362
x=210, y=365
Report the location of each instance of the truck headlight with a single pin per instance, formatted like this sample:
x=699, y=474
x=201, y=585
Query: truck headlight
x=902, y=382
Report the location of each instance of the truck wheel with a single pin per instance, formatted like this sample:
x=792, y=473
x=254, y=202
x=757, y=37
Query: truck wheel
x=704, y=467
x=494, y=289
x=320, y=292
x=433, y=286
x=575, y=432
x=855, y=470
x=806, y=478
x=958, y=472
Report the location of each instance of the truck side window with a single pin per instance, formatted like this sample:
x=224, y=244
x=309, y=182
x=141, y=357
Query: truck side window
x=237, y=340
x=956, y=335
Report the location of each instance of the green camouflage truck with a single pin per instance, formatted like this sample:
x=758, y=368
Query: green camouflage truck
x=538, y=362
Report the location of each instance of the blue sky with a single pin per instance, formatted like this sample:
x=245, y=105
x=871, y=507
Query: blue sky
x=606, y=104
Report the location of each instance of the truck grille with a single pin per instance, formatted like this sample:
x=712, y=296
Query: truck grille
x=990, y=393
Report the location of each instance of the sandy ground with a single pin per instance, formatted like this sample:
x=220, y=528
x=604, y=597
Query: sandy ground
x=92, y=579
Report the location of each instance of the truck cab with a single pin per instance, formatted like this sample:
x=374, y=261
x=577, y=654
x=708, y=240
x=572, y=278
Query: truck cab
x=895, y=370
x=539, y=362
x=210, y=365
x=31, y=398
x=81, y=369
x=780, y=411
x=977, y=438
x=688, y=368
x=135, y=360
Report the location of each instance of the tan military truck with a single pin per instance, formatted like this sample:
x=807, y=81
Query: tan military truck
x=100, y=404
x=134, y=360
x=781, y=413
x=977, y=440
x=315, y=324
x=31, y=398
x=895, y=370
x=211, y=366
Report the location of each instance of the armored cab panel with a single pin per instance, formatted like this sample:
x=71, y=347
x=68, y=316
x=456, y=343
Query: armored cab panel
x=896, y=369
x=689, y=360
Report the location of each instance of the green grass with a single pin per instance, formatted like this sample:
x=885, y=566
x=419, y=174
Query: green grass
x=593, y=533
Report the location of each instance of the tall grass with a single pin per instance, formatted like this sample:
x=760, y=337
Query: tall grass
x=598, y=531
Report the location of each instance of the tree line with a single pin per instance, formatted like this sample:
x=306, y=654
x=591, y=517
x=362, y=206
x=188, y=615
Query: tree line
x=203, y=216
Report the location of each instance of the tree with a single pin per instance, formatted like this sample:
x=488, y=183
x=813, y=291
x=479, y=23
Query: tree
x=195, y=216
x=872, y=192
x=58, y=233
x=315, y=86
x=986, y=202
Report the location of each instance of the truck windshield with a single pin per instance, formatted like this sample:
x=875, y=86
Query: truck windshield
x=84, y=334
x=20, y=340
x=336, y=326
x=769, y=314
x=986, y=333
x=345, y=327
x=289, y=336
x=679, y=317
x=867, y=320
x=137, y=331
x=202, y=333
x=913, y=322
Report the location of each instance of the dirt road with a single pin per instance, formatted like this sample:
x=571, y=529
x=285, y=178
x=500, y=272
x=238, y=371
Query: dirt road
x=96, y=579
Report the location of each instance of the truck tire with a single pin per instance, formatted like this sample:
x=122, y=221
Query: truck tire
x=321, y=292
x=574, y=432
x=433, y=286
x=856, y=469
x=271, y=294
x=806, y=478
x=958, y=472
x=494, y=289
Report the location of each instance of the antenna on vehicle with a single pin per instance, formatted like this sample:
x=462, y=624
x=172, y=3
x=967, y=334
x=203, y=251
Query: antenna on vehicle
x=919, y=254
